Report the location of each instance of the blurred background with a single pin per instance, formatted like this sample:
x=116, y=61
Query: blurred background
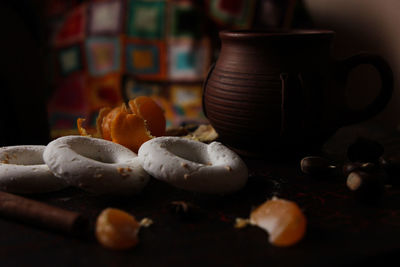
x=63, y=60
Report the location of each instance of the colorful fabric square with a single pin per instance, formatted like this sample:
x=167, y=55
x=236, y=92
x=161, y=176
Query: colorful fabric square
x=147, y=60
x=103, y=55
x=104, y=91
x=70, y=60
x=146, y=19
x=133, y=88
x=186, y=95
x=187, y=61
x=105, y=17
x=187, y=103
x=235, y=13
x=185, y=21
x=73, y=27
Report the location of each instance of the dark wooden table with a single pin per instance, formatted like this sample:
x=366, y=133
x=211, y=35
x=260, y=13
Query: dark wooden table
x=341, y=230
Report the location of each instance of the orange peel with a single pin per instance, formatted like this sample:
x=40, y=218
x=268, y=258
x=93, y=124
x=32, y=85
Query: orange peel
x=151, y=112
x=81, y=129
x=129, y=130
x=107, y=121
x=130, y=125
x=99, y=121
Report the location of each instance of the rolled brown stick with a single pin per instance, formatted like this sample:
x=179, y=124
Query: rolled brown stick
x=40, y=214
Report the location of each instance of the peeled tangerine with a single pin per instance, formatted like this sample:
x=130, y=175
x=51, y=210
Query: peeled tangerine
x=117, y=229
x=129, y=130
x=282, y=219
x=130, y=125
x=150, y=111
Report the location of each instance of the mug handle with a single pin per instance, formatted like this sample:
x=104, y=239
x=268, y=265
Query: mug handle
x=210, y=70
x=385, y=93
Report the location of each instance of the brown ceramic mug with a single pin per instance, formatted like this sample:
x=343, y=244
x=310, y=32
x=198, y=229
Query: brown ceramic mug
x=274, y=93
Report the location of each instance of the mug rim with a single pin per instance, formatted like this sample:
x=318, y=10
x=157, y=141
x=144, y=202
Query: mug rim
x=248, y=34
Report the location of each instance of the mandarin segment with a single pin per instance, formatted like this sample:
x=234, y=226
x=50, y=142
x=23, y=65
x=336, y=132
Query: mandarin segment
x=132, y=126
x=151, y=112
x=107, y=121
x=129, y=130
x=99, y=121
x=116, y=229
x=282, y=219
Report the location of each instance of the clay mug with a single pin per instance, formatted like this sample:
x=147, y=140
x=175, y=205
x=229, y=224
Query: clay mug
x=274, y=93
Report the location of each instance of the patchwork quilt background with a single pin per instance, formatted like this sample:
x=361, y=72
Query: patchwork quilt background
x=108, y=51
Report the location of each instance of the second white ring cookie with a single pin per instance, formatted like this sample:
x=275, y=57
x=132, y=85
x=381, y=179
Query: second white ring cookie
x=96, y=165
x=193, y=165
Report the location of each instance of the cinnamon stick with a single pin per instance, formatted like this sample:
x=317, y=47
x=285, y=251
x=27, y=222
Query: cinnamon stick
x=40, y=214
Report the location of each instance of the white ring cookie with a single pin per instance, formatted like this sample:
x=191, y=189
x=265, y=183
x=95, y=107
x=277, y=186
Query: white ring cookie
x=96, y=165
x=23, y=171
x=193, y=165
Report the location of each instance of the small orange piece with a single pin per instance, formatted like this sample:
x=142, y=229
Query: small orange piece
x=129, y=130
x=81, y=129
x=117, y=229
x=282, y=219
x=151, y=112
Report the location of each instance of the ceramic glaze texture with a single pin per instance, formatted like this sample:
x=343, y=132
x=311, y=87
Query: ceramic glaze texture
x=276, y=91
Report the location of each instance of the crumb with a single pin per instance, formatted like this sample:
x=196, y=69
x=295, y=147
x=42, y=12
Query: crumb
x=241, y=223
x=204, y=133
x=146, y=222
x=184, y=165
x=122, y=172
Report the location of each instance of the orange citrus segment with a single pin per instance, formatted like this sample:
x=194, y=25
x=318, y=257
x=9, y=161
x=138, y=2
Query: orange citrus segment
x=151, y=112
x=106, y=123
x=282, y=219
x=117, y=229
x=129, y=130
x=99, y=121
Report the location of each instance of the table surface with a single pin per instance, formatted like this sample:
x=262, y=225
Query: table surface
x=341, y=231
